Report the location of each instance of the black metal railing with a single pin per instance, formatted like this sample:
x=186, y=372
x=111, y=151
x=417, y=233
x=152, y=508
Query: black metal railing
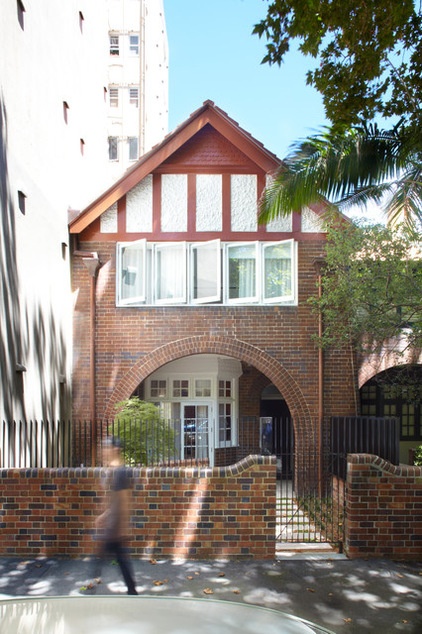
x=363, y=434
x=42, y=444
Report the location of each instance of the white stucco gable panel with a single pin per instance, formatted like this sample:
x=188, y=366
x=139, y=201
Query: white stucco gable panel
x=139, y=207
x=244, y=205
x=108, y=220
x=174, y=202
x=280, y=224
x=284, y=224
x=311, y=222
x=209, y=202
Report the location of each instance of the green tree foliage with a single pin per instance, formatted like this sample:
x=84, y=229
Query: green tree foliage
x=418, y=457
x=147, y=438
x=353, y=167
x=372, y=289
x=369, y=53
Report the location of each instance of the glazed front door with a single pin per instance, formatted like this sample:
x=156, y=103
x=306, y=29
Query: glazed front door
x=197, y=432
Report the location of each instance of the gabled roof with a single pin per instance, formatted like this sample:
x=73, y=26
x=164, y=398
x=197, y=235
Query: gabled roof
x=207, y=114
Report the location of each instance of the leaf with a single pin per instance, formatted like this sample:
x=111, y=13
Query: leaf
x=310, y=590
x=208, y=591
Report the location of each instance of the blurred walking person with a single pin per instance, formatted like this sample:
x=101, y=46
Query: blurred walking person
x=112, y=525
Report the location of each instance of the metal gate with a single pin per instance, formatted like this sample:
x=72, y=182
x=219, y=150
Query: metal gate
x=310, y=496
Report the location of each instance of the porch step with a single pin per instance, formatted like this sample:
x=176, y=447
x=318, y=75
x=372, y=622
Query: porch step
x=294, y=527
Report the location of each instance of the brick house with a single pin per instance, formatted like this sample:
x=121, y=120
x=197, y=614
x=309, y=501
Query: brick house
x=182, y=298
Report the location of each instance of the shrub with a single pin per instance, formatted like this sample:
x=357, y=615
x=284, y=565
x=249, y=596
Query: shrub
x=418, y=457
x=146, y=437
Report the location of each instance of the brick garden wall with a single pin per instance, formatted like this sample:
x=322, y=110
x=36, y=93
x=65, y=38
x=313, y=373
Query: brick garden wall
x=383, y=509
x=176, y=512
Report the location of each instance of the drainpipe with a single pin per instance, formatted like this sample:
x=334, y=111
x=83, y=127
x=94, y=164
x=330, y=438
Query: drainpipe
x=92, y=263
x=318, y=264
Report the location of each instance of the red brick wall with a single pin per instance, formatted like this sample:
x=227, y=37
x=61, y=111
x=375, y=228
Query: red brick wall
x=176, y=512
x=383, y=509
x=131, y=343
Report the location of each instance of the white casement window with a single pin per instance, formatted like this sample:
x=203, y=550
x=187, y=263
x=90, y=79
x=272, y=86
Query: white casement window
x=206, y=272
x=131, y=269
x=203, y=388
x=242, y=273
x=212, y=272
x=158, y=388
x=114, y=45
x=134, y=44
x=225, y=425
x=170, y=273
x=278, y=283
x=114, y=97
x=180, y=388
x=134, y=97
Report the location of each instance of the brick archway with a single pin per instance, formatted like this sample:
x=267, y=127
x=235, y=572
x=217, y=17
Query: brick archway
x=235, y=348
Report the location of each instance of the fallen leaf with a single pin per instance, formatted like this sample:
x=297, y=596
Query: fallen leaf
x=153, y=561
x=158, y=583
x=310, y=590
x=208, y=591
x=236, y=591
x=348, y=620
x=404, y=621
x=222, y=574
x=189, y=577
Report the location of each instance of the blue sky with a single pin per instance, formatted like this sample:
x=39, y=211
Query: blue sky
x=213, y=55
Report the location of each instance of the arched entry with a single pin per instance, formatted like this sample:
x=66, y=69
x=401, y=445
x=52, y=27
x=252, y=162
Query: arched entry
x=249, y=355
x=397, y=392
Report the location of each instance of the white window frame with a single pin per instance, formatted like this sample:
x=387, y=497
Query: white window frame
x=134, y=97
x=198, y=246
x=114, y=44
x=131, y=142
x=241, y=300
x=134, y=47
x=181, y=271
x=113, y=95
x=233, y=440
x=279, y=298
x=141, y=246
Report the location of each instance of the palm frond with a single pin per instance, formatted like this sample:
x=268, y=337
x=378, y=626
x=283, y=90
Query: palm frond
x=357, y=166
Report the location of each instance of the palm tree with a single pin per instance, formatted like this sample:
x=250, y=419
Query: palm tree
x=355, y=167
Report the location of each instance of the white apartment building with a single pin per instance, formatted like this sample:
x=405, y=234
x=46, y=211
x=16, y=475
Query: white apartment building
x=137, y=80
x=53, y=159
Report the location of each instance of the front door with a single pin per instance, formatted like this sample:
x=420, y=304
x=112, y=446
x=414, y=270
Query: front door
x=197, y=432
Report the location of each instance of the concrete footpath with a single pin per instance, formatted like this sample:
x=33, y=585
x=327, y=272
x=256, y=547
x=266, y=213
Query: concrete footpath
x=344, y=596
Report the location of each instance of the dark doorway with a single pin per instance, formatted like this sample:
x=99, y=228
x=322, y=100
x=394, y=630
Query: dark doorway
x=274, y=406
